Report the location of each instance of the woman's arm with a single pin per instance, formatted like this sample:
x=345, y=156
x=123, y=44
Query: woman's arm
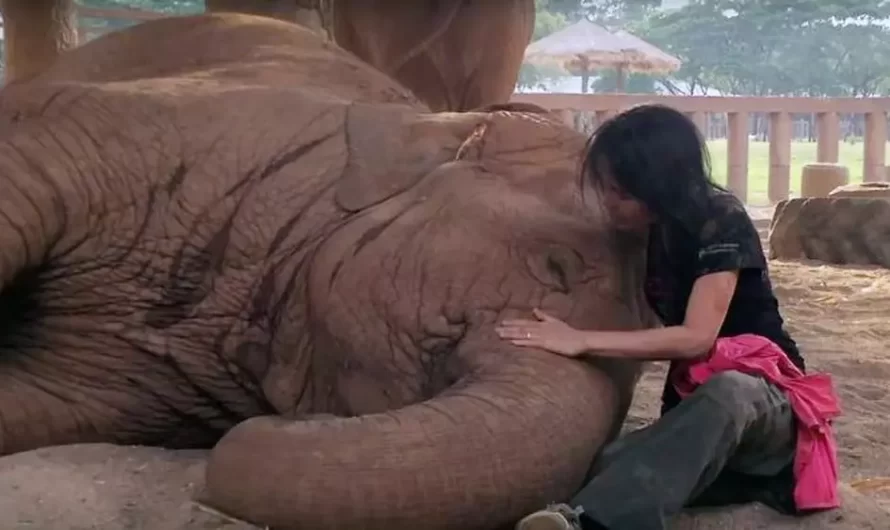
x=705, y=313
x=727, y=244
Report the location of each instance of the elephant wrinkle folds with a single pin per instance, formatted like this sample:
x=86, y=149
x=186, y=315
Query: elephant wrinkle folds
x=273, y=250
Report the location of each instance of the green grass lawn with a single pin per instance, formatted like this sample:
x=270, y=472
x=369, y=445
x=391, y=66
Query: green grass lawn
x=850, y=155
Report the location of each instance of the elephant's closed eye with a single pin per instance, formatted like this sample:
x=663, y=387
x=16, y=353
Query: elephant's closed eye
x=558, y=268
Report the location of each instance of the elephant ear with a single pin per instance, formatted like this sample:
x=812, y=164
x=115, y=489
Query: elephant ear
x=383, y=157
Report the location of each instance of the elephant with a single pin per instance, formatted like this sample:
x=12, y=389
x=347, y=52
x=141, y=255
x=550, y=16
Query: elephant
x=454, y=55
x=274, y=251
x=307, y=13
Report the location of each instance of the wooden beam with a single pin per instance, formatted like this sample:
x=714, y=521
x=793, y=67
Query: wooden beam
x=712, y=104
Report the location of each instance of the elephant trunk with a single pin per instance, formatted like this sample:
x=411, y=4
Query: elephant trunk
x=505, y=440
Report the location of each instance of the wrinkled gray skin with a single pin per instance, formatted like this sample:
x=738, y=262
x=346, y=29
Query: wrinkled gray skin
x=212, y=219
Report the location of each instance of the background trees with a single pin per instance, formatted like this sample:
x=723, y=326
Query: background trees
x=748, y=47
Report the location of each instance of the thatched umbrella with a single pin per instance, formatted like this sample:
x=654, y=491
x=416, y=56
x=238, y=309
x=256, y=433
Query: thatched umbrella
x=584, y=47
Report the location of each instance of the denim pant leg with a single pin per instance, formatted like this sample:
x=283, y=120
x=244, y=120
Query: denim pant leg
x=733, y=421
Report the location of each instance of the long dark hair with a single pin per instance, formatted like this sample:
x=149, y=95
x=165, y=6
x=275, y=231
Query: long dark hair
x=656, y=155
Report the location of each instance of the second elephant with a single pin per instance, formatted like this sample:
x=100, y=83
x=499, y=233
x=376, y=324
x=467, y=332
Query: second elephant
x=454, y=55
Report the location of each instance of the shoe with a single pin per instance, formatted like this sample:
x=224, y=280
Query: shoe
x=555, y=517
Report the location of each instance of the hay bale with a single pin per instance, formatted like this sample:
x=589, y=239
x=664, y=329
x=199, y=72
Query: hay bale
x=819, y=179
x=876, y=190
x=836, y=230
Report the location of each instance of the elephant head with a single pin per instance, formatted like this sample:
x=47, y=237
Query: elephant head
x=441, y=424
x=272, y=246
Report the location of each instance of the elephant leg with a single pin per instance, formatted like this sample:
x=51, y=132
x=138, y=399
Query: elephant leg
x=504, y=36
x=454, y=56
x=56, y=396
x=38, y=411
x=307, y=13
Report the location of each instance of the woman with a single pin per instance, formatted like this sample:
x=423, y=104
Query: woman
x=733, y=438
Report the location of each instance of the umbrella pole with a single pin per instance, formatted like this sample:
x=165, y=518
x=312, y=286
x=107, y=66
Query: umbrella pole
x=621, y=79
x=585, y=74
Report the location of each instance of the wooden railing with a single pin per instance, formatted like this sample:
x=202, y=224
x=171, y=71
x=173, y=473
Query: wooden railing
x=738, y=111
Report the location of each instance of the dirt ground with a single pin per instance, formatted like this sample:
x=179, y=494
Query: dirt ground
x=839, y=316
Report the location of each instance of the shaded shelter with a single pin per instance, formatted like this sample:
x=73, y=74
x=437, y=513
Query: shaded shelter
x=584, y=47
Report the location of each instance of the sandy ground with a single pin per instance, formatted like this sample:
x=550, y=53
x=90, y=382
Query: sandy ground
x=839, y=315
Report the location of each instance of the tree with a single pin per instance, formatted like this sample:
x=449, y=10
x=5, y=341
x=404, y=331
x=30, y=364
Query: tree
x=761, y=47
x=843, y=59
x=606, y=12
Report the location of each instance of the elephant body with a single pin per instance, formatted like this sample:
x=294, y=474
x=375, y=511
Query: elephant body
x=307, y=13
x=271, y=248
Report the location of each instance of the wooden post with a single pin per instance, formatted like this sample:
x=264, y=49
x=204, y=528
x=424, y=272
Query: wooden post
x=700, y=119
x=36, y=32
x=737, y=154
x=827, y=137
x=603, y=115
x=779, y=156
x=875, y=155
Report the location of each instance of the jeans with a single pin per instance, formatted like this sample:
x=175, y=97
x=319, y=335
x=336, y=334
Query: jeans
x=722, y=444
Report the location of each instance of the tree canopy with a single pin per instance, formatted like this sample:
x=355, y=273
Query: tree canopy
x=749, y=47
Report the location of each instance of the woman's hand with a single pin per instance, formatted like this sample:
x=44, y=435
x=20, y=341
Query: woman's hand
x=547, y=333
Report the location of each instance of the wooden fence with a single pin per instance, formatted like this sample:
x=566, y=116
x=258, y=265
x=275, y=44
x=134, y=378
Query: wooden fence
x=738, y=112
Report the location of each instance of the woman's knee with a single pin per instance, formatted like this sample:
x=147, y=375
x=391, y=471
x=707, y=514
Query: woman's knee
x=734, y=388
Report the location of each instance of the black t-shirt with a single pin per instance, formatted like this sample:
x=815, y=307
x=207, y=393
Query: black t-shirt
x=727, y=241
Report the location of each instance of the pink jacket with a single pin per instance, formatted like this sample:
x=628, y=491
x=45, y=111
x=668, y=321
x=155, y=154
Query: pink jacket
x=812, y=399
